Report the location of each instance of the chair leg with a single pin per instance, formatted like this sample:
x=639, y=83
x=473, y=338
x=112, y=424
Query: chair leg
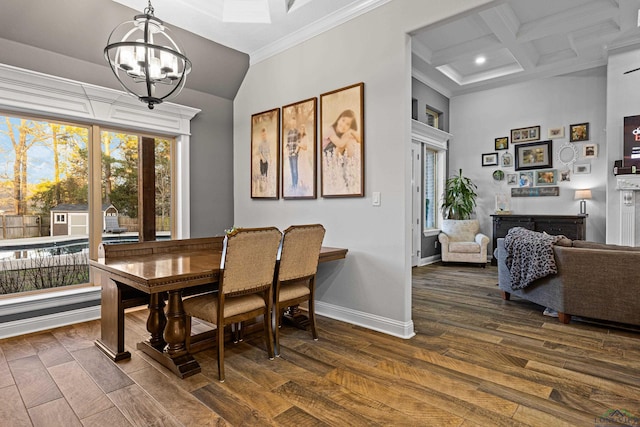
x=268, y=332
x=220, y=328
x=276, y=328
x=312, y=318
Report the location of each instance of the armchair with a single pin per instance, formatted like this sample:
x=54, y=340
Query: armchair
x=461, y=241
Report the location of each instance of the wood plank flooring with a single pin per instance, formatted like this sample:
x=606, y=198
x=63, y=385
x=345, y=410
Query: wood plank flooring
x=475, y=361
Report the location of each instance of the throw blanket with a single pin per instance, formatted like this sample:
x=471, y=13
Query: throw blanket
x=529, y=256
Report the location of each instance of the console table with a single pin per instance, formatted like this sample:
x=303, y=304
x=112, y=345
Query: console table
x=574, y=227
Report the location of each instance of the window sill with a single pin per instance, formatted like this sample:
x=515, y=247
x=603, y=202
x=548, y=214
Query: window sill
x=432, y=232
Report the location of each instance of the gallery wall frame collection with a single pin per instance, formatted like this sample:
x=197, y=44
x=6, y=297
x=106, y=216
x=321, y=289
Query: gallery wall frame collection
x=285, y=148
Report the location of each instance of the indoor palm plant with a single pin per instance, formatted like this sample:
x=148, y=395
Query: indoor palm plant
x=459, y=198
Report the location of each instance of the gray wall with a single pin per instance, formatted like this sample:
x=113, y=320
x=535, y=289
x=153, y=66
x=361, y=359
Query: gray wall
x=372, y=287
x=427, y=96
x=478, y=118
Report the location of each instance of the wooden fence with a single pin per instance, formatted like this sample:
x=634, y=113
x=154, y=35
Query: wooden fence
x=21, y=226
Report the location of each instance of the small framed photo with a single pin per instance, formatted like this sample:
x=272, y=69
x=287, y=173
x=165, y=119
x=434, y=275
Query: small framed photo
x=506, y=160
x=579, y=169
x=555, y=133
x=502, y=143
x=565, y=175
x=579, y=132
x=531, y=133
x=546, y=177
x=525, y=179
x=512, y=179
x=590, y=151
x=534, y=155
x=490, y=159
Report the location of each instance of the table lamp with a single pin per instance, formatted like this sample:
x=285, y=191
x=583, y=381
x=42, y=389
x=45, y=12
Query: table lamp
x=583, y=195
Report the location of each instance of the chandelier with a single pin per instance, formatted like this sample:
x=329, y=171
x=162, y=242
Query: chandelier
x=146, y=60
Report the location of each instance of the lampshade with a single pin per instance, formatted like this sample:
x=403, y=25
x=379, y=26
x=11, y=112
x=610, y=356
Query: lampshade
x=146, y=59
x=582, y=195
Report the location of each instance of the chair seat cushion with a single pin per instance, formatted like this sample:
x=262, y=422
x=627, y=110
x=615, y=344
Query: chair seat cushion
x=205, y=306
x=464, y=247
x=293, y=290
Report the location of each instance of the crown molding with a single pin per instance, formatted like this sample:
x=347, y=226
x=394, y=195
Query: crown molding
x=332, y=20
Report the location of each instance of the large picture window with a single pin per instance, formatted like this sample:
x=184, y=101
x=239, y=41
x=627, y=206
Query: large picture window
x=45, y=210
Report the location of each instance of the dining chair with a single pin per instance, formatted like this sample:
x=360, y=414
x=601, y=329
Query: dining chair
x=296, y=273
x=245, y=290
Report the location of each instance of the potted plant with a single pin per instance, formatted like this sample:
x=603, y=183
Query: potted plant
x=459, y=198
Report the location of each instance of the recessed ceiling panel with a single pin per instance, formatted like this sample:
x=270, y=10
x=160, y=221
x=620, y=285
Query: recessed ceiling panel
x=440, y=37
x=497, y=63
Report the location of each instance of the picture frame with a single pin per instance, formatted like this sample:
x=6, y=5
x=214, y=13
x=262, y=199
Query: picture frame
x=299, y=149
x=590, y=151
x=501, y=143
x=534, y=155
x=512, y=179
x=490, y=159
x=531, y=133
x=579, y=132
x=555, y=133
x=565, y=175
x=265, y=154
x=506, y=160
x=581, y=168
x=342, y=142
x=546, y=177
x=525, y=179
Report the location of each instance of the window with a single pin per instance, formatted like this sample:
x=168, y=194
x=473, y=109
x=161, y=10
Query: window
x=433, y=117
x=430, y=188
x=44, y=192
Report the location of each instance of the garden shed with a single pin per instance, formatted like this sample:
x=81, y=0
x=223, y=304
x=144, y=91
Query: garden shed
x=73, y=219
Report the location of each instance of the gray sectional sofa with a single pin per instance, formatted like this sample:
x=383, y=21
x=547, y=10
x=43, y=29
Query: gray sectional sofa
x=594, y=280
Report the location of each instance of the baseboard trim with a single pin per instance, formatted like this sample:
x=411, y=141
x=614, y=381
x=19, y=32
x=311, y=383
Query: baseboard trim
x=385, y=325
x=429, y=260
x=49, y=321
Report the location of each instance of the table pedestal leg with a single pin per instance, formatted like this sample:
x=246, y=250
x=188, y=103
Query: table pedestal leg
x=156, y=321
x=294, y=316
x=175, y=356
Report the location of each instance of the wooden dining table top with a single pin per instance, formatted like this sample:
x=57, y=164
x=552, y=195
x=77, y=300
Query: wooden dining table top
x=159, y=272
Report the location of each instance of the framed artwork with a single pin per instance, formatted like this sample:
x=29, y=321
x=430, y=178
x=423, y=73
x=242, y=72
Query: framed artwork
x=525, y=179
x=502, y=143
x=265, y=155
x=525, y=134
x=546, y=177
x=581, y=168
x=506, y=160
x=554, y=133
x=342, y=142
x=489, y=159
x=512, y=179
x=299, y=150
x=565, y=175
x=534, y=155
x=590, y=150
x=579, y=132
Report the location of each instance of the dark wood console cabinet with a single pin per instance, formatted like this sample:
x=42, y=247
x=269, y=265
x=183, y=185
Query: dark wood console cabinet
x=573, y=227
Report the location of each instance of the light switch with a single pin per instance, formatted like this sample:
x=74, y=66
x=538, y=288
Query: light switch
x=376, y=198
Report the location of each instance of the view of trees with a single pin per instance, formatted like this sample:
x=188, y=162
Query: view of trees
x=46, y=164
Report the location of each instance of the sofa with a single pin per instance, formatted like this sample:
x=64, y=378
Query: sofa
x=594, y=280
x=461, y=241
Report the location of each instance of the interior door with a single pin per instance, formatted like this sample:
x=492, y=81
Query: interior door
x=416, y=202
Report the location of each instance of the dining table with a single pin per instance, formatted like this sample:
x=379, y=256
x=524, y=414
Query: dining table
x=159, y=274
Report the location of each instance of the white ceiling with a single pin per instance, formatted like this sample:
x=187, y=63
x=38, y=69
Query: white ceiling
x=520, y=39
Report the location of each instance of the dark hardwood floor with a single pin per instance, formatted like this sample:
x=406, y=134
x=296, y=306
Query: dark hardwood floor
x=475, y=361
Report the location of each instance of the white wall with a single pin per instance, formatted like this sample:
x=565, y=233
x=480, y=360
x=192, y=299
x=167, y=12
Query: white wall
x=623, y=99
x=478, y=118
x=372, y=287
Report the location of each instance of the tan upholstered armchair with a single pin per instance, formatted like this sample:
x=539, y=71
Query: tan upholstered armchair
x=462, y=241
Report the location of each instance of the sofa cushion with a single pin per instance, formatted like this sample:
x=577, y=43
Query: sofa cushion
x=595, y=245
x=464, y=247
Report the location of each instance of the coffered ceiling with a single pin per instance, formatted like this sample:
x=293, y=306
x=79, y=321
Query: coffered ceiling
x=517, y=40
